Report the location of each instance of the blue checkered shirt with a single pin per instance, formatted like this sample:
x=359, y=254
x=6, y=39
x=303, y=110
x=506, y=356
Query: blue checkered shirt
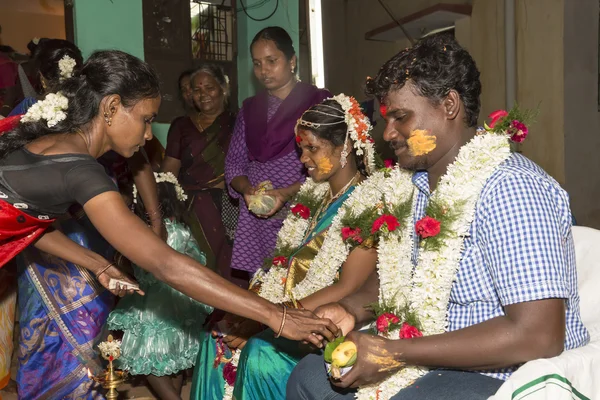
x=520, y=249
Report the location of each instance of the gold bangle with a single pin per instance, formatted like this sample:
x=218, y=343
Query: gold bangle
x=104, y=270
x=282, y=322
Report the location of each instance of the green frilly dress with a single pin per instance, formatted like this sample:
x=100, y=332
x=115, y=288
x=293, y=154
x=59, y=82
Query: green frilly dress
x=161, y=329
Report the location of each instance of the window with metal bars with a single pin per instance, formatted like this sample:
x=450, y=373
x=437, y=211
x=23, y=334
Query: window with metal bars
x=212, y=30
x=182, y=34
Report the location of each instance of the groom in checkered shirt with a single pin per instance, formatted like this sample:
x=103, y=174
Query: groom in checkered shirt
x=515, y=296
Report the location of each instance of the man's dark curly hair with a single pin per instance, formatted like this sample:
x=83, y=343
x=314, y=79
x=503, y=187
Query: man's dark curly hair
x=434, y=65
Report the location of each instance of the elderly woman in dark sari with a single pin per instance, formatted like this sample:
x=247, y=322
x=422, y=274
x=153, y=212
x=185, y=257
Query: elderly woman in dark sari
x=195, y=153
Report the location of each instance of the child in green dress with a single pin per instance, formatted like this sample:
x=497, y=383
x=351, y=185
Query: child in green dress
x=162, y=328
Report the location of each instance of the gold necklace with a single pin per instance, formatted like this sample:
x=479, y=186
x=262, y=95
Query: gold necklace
x=355, y=178
x=327, y=201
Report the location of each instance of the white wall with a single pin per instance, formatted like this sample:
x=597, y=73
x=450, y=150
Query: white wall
x=581, y=116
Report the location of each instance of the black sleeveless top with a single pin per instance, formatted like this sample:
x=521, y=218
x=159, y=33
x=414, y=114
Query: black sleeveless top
x=47, y=185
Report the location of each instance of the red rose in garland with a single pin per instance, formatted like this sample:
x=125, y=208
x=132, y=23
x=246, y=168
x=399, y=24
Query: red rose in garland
x=513, y=123
x=386, y=221
x=496, y=117
x=351, y=234
x=384, y=320
x=280, y=261
x=408, y=331
x=301, y=211
x=518, y=131
x=229, y=373
x=389, y=163
x=427, y=227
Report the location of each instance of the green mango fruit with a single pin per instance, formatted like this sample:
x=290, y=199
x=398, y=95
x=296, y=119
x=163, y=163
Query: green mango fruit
x=330, y=347
x=344, y=355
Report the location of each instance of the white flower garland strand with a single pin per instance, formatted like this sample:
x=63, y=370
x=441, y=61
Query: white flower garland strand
x=52, y=109
x=294, y=228
x=291, y=235
x=165, y=177
x=334, y=251
x=235, y=359
x=66, y=65
x=429, y=288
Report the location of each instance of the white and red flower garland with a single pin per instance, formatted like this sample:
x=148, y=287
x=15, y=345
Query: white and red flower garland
x=229, y=374
x=425, y=289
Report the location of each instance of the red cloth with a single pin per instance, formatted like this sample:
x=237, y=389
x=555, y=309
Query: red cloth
x=17, y=231
x=8, y=72
x=6, y=124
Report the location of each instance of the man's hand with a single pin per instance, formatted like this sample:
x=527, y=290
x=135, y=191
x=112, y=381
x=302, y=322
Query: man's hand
x=375, y=361
x=304, y=325
x=338, y=315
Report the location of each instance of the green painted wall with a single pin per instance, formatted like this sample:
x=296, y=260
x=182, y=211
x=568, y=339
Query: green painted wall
x=286, y=16
x=116, y=24
x=106, y=24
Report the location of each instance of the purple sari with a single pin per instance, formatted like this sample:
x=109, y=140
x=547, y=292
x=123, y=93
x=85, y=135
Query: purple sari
x=262, y=148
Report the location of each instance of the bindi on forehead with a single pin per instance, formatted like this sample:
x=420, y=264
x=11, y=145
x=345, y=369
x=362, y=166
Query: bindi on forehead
x=306, y=135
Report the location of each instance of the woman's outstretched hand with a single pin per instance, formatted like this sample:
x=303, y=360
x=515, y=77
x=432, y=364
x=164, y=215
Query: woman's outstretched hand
x=303, y=325
x=120, y=289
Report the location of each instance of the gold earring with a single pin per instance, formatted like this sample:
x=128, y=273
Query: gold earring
x=107, y=119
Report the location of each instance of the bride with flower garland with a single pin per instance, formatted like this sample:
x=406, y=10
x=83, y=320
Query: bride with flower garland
x=308, y=268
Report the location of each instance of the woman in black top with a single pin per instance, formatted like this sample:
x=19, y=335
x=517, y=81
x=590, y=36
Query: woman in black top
x=111, y=105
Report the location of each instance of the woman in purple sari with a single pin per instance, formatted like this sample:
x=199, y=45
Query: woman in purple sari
x=263, y=146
